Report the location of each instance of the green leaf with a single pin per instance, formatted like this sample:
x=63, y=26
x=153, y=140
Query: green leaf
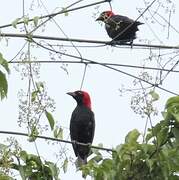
x=40, y=86
x=15, y=22
x=29, y=37
x=5, y=177
x=167, y=115
x=3, y=147
x=23, y=155
x=34, y=134
x=3, y=80
x=35, y=20
x=22, y=172
x=65, y=165
x=176, y=116
x=58, y=133
x=34, y=159
x=150, y=163
x=149, y=136
x=4, y=63
x=96, y=158
x=171, y=101
x=154, y=95
x=26, y=20
x=107, y=166
x=3, y=85
x=34, y=95
x=176, y=134
x=132, y=136
x=157, y=128
x=162, y=136
x=54, y=169
x=66, y=13
x=173, y=177
x=50, y=119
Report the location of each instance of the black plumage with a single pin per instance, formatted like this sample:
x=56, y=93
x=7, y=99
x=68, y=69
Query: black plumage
x=119, y=28
x=82, y=125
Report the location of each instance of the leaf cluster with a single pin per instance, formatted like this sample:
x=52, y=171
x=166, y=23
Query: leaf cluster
x=4, y=69
x=29, y=166
x=157, y=157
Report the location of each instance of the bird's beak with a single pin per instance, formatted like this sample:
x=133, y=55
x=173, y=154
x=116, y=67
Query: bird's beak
x=71, y=94
x=100, y=18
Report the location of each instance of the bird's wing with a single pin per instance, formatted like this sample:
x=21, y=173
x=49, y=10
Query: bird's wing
x=82, y=128
x=120, y=18
x=82, y=125
x=125, y=19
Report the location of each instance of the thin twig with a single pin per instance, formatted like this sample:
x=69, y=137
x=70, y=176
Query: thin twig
x=65, y=10
x=54, y=139
x=104, y=63
x=83, y=78
x=109, y=67
x=122, y=32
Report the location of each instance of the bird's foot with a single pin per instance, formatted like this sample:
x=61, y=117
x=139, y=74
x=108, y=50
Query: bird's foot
x=111, y=43
x=114, y=42
x=89, y=144
x=131, y=43
x=122, y=42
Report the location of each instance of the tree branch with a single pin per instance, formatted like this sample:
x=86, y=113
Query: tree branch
x=84, y=62
x=109, y=67
x=65, y=10
x=86, y=41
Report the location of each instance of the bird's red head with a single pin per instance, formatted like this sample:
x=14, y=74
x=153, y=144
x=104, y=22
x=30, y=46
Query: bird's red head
x=105, y=15
x=81, y=97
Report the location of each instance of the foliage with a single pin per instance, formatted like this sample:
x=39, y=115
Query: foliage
x=33, y=107
x=157, y=157
x=25, y=20
x=29, y=166
x=3, y=81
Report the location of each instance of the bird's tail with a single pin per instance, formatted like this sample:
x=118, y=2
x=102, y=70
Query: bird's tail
x=80, y=162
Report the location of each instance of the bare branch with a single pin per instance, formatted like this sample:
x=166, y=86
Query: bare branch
x=54, y=139
x=87, y=41
x=104, y=63
x=65, y=10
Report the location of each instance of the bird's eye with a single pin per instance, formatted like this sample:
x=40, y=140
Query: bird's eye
x=105, y=16
x=79, y=92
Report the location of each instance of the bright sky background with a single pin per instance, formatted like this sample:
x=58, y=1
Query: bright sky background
x=114, y=117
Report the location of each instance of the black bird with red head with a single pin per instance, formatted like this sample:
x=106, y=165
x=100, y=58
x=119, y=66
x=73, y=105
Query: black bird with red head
x=119, y=28
x=82, y=125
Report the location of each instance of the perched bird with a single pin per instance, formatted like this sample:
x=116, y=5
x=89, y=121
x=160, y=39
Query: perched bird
x=119, y=28
x=82, y=126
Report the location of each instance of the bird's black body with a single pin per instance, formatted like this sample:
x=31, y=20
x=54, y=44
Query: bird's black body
x=82, y=130
x=82, y=127
x=119, y=28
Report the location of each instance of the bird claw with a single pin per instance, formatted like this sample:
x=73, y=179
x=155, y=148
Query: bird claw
x=131, y=43
x=113, y=43
x=119, y=42
x=88, y=144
